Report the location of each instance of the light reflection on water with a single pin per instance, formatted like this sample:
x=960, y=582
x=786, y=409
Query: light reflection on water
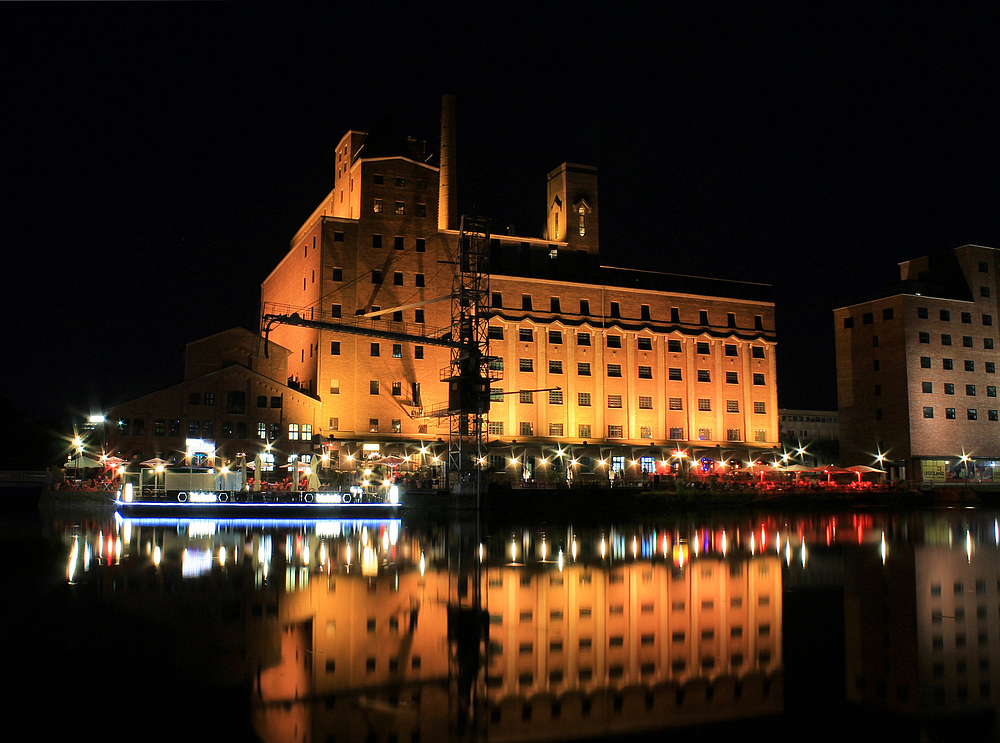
x=390, y=630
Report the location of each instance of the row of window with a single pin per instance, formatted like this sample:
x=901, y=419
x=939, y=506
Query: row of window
x=967, y=340
x=923, y=313
x=585, y=431
x=643, y=343
x=972, y=414
x=398, y=207
x=584, y=400
x=966, y=317
x=398, y=243
x=397, y=277
x=378, y=179
x=949, y=365
x=674, y=374
x=949, y=389
x=614, y=310
x=376, y=350
x=171, y=427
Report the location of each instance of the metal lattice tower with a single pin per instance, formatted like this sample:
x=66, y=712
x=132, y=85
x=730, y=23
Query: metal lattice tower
x=468, y=376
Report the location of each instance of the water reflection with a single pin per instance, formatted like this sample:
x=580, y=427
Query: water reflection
x=388, y=630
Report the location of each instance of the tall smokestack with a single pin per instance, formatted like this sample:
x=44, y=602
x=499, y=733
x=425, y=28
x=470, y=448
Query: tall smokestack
x=447, y=186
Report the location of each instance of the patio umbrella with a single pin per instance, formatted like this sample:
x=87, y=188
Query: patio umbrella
x=154, y=462
x=243, y=471
x=295, y=476
x=257, y=467
x=313, y=481
x=863, y=468
x=82, y=462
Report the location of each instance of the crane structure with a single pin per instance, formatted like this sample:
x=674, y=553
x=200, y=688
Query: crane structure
x=470, y=372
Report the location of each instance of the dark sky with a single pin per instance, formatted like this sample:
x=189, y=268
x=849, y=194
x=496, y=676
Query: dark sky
x=159, y=157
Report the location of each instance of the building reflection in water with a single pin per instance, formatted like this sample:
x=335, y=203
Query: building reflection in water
x=922, y=625
x=357, y=630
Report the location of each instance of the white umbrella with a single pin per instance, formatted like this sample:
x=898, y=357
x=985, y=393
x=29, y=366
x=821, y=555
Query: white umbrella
x=295, y=477
x=155, y=462
x=83, y=462
x=313, y=481
x=257, y=467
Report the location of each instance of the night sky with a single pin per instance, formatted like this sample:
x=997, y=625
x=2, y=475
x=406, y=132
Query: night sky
x=159, y=157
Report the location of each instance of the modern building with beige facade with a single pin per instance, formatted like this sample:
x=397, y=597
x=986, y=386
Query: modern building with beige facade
x=917, y=371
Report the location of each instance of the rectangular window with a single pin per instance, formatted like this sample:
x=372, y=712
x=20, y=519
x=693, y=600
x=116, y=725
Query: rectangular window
x=614, y=401
x=525, y=334
x=616, y=310
x=704, y=375
x=945, y=339
x=418, y=352
x=973, y=414
x=928, y=412
x=925, y=362
x=645, y=372
x=673, y=345
x=848, y=323
x=645, y=402
x=614, y=341
x=924, y=337
x=949, y=388
x=376, y=277
x=644, y=343
x=583, y=368
x=555, y=337
x=991, y=390
x=922, y=313
x=970, y=365
x=554, y=305
x=970, y=390
x=555, y=429
x=527, y=397
x=373, y=387
x=614, y=370
x=418, y=317
x=421, y=245
x=555, y=366
x=419, y=280
x=733, y=434
x=887, y=313
x=583, y=399
x=585, y=307
x=236, y=402
x=758, y=379
x=375, y=349
x=583, y=339
x=704, y=434
x=293, y=431
x=948, y=364
x=945, y=315
x=926, y=387
x=397, y=425
x=495, y=428
x=676, y=403
x=760, y=407
x=397, y=389
x=495, y=332
x=967, y=341
x=400, y=208
x=335, y=348
x=584, y=431
x=703, y=347
x=614, y=432
x=526, y=302
x=732, y=377
x=526, y=428
x=397, y=242
x=497, y=300
x=373, y=425
x=526, y=365
x=732, y=406
x=676, y=433
x=949, y=413
x=704, y=404
x=555, y=397
x=967, y=318
x=674, y=374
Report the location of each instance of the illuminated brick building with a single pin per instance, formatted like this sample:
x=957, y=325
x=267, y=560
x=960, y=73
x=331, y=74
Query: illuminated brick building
x=611, y=362
x=916, y=371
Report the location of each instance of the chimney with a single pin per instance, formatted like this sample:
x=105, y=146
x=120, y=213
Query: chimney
x=447, y=187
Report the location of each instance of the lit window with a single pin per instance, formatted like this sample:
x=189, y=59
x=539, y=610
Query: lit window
x=377, y=206
x=293, y=431
x=555, y=397
x=614, y=432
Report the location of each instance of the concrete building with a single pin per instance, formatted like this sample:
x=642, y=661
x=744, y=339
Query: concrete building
x=231, y=395
x=612, y=365
x=814, y=433
x=916, y=371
